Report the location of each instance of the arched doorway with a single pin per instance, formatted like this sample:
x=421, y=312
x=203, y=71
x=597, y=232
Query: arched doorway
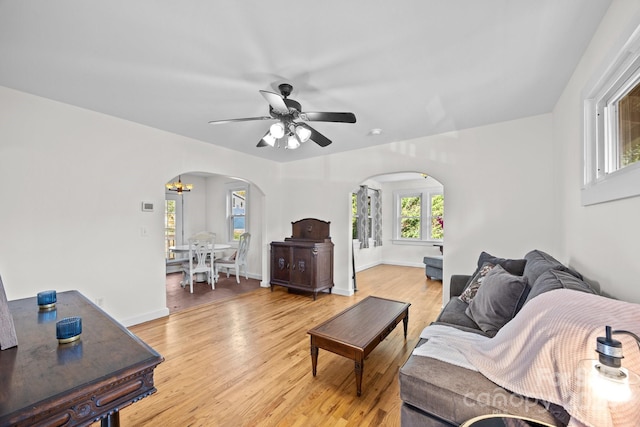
x=207, y=206
x=406, y=237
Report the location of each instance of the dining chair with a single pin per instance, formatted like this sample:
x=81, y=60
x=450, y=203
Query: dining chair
x=200, y=248
x=238, y=260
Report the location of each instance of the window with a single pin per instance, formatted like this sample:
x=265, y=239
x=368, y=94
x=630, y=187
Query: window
x=612, y=129
x=419, y=217
x=237, y=211
x=437, y=217
x=169, y=227
x=628, y=121
x=410, y=217
x=354, y=216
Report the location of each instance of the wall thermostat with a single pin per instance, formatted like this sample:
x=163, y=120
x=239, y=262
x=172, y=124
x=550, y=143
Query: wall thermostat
x=147, y=207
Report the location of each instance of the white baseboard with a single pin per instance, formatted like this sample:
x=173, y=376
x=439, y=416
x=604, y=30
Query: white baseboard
x=406, y=264
x=398, y=263
x=343, y=292
x=145, y=317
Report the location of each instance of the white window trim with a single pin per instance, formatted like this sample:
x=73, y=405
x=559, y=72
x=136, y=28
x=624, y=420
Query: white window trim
x=601, y=181
x=234, y=187
x=425, y=229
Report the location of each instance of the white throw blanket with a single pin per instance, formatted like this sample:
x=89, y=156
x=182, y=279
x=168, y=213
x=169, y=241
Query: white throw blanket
x=438, y=346
x=537, y=354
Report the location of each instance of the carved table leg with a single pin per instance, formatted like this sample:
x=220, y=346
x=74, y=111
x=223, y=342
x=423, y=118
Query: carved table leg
x=314, y=357
x=359, y=367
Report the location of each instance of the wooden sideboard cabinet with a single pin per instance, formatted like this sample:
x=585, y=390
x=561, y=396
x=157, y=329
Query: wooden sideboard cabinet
x=304, y=261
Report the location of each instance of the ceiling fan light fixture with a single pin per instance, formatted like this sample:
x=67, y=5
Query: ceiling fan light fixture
x=276, y=130
x=292, y=142
x=269, y=139
x=303, y=133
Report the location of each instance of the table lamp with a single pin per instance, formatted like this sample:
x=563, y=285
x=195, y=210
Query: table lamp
x=607, y=377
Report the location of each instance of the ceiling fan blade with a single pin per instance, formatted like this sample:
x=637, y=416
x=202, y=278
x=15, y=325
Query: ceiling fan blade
x=316, y=136
x=247, y=119
x=276, y=101
x=328, y=117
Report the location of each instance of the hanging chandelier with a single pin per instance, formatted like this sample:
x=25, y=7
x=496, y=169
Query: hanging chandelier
x=178, y=186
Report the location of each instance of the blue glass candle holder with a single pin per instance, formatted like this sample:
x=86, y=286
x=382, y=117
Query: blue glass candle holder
x=47, y=299
x=68, y=329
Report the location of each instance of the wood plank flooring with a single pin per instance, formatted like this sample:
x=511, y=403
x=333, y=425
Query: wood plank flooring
x=179, y=298
x=246, y=361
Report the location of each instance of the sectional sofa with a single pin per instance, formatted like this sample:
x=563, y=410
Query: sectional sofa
x=435, y=392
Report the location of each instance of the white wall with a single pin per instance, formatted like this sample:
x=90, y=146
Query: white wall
x=81, y=176
x=76, y=221
x=497, y=181
x=100, y=168
x=601, y=241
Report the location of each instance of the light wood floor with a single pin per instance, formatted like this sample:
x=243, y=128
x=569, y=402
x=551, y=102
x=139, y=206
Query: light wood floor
x=246, y=361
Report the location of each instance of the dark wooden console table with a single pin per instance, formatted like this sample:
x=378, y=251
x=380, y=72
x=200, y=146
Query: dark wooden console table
x=44, y=383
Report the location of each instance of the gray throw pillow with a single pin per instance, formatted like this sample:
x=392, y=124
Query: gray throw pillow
x=471, y=289
x=513, y=266
x=497, y=300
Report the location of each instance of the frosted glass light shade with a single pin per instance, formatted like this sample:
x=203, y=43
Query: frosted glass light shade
x=303, y=133
x=269, y=139
x=292, y=142
x=277, y=130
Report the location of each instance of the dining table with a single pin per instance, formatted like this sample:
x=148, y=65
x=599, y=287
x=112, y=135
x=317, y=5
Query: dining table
x=183, y=250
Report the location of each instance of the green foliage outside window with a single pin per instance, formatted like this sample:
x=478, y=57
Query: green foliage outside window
x=410, y=217
x=628, y=130
x=437, y=217
x=354, y=215
x=632, y=154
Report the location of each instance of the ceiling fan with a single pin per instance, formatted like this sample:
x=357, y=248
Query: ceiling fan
x=291, y=121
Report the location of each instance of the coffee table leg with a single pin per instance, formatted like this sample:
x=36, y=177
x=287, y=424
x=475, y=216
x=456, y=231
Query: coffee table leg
x=405, y=323
x=359, y=368
x=314, y=357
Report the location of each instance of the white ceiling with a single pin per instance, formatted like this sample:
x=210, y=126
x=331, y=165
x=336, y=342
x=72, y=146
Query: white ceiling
x=409, y=67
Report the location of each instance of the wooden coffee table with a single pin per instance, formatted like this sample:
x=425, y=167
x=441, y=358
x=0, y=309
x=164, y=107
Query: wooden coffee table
x=356, y=331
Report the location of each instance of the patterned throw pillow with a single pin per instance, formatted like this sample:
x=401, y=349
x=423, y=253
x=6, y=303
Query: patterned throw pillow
x=472, y=289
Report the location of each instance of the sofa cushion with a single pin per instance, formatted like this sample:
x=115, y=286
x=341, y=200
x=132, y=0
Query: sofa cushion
x=453, y=314
x=513, y=266
x=472, y=288
x=556, y=279
x=538, y=262
x=455, y=394
x=498, y=300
